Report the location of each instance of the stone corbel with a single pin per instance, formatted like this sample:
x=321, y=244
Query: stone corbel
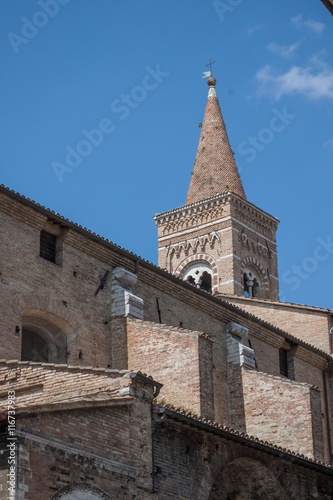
x=123, y=301
x=237, y=352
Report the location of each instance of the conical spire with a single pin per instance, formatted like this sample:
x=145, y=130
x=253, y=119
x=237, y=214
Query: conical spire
x=215, y=170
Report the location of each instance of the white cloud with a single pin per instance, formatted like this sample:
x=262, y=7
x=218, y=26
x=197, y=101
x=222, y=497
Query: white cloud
x=314, y=26
x=257, y=27
x=312, y=81
x=329, y=143
x=284, y=51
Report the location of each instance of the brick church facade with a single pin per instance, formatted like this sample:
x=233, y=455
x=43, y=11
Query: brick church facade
x=190, y=380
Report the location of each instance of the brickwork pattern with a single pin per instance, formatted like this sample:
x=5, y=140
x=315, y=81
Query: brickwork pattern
x=210, y=467
x=180, y=359
x=34, y=284
x=241, y=237
x=108, y=448
x=70, y=296
x=79, y=425
x=45, y=385
x=284, y=411
x=307, y=323
x=215, y=169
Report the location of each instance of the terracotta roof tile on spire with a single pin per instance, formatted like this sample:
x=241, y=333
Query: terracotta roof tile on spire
x=215, y=170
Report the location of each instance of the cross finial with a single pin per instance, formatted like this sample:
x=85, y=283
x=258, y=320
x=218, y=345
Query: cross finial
x=210, y=66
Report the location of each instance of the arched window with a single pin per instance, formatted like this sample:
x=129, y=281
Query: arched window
x=199, y=274
x=43, y=339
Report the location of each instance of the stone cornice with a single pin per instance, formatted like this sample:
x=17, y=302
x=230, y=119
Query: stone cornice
x=192, y=209
x=219, y=199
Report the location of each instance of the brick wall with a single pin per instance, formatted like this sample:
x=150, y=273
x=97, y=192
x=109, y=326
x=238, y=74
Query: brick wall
x=179, y=359
x=66, y=295
x=38, y=286
x=207, y=466
x=196, y=315
x=59, y=457
x=308, y=324
x=80, y=425
x=283, y=412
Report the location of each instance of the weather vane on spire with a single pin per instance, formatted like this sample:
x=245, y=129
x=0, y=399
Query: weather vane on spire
x=209, y=73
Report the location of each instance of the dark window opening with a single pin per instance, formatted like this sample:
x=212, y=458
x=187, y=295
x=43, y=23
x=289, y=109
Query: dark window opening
x=206, y=282
x=191, y=280
x=48, y=246
x=34, y=347
x=246, y=286
x=251, y=286
x=283, y=358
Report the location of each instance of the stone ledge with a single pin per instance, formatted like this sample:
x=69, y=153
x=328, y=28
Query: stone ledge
x=106, y=463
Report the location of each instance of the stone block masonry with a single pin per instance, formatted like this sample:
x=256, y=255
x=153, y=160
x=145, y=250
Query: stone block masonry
x=124, y=302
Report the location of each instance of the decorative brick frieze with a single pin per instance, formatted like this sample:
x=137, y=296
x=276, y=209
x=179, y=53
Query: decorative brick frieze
x=195, y=245
x=230, y=230
x=255, y=246
x=255, y=218
x=188, y=216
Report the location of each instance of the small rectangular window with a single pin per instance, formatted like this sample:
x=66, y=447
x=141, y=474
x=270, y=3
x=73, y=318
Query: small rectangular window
x=48, y=246
x=283, y=355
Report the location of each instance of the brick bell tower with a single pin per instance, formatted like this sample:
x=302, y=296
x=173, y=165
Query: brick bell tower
x=218, y=241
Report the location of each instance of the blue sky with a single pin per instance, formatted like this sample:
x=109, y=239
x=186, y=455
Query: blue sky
x=101, y=100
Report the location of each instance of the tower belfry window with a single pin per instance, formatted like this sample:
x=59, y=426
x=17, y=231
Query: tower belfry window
x=199, y=274
x=251, y=284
